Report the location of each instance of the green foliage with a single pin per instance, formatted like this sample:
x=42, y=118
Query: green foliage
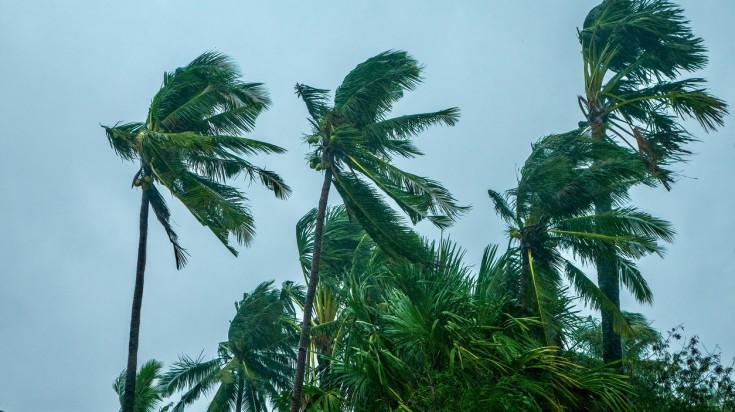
x=687, y=378
x=189, y=143
x=667, y=373
x=433, y=337
x=148, y=396
x=634, y=52
x=356, y=140
x=254, y=364
x=551, y=212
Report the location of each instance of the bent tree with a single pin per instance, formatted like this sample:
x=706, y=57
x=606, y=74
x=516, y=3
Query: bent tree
x=550, y=214
x=634, y=52
x=354, y=143
x=189, y=144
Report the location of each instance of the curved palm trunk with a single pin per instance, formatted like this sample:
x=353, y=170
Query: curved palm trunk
x=310, y=292
x=129, y=394
x=607, y=273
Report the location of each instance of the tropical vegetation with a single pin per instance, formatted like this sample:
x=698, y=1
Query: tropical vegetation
x=388, y=320
x=634, y=53
x=189, y=144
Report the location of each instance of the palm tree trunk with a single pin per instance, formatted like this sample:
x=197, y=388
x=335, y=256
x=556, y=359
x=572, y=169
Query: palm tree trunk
x=523, y=281
x=607, y=280
x=240, y=388
x=310, y=292
x=129, y=394
x=607, y=273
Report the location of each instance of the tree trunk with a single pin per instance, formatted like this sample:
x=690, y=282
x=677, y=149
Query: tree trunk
x=310, y=292
x=129, y=394
x=523, y=281
x=240, y=389
x=607, y=280
x=607, y=273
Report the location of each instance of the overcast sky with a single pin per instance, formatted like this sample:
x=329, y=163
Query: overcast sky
x=69, y=218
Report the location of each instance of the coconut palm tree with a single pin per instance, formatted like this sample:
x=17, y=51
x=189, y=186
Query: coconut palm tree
x=148, y=397
x=634, y=52
x=344, y=244
x=551, y=212
x=253, y=364
x=189, y=144
x=354, y=143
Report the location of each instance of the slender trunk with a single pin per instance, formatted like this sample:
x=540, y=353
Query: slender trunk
x=607, y=273
x=240, y=389
x=129, y=394
x=310, y=291
x=523, y=282
x=607, y=280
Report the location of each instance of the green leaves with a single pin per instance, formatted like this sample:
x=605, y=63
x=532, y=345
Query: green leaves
x=421, y=337
x=652, y=36
x=148, y=395
x=378, y=220
x=207, y=97
x=634, y=51
x=368, y=92
x=357, y=141
x=552, y=211
x=190, y=144
x=255, y=362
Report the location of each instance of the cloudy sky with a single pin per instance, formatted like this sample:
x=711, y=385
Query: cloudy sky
x=69, y=218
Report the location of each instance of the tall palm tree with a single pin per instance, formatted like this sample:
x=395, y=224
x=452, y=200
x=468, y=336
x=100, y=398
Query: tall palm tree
x=189, y=144
x=634, y=52
x=551, y=212
x=354, y=143
x=344, y=244
x=253, y=364
x=148, y=397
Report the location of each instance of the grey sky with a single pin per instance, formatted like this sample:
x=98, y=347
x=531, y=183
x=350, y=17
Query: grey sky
x=69, y=218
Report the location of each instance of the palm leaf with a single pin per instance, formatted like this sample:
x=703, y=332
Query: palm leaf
x=163, y=215
x=377, y=219
x=368, y=92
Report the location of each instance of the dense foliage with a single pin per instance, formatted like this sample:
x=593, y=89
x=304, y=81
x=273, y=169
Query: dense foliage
x=394, y=322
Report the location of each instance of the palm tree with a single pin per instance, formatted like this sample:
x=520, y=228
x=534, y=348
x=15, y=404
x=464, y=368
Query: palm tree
x=148, y=397
x=344, y=243
x=432, y=337
x=253, y=364
x=550, y=212
x=189, y=144
x=634, y=52
x=354, y=143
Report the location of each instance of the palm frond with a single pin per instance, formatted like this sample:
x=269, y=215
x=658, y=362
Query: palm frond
x=316, y=100
x=122, y=139
x=368, y=92
x=164, y=215
x=207, y=97
x=652, y=35
x=187, y=372
x=632, y=279
x=402, y=127
x=377, y=219
x=417, y=196
x=594, y=298
x=218, y=207
x=503, y=207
